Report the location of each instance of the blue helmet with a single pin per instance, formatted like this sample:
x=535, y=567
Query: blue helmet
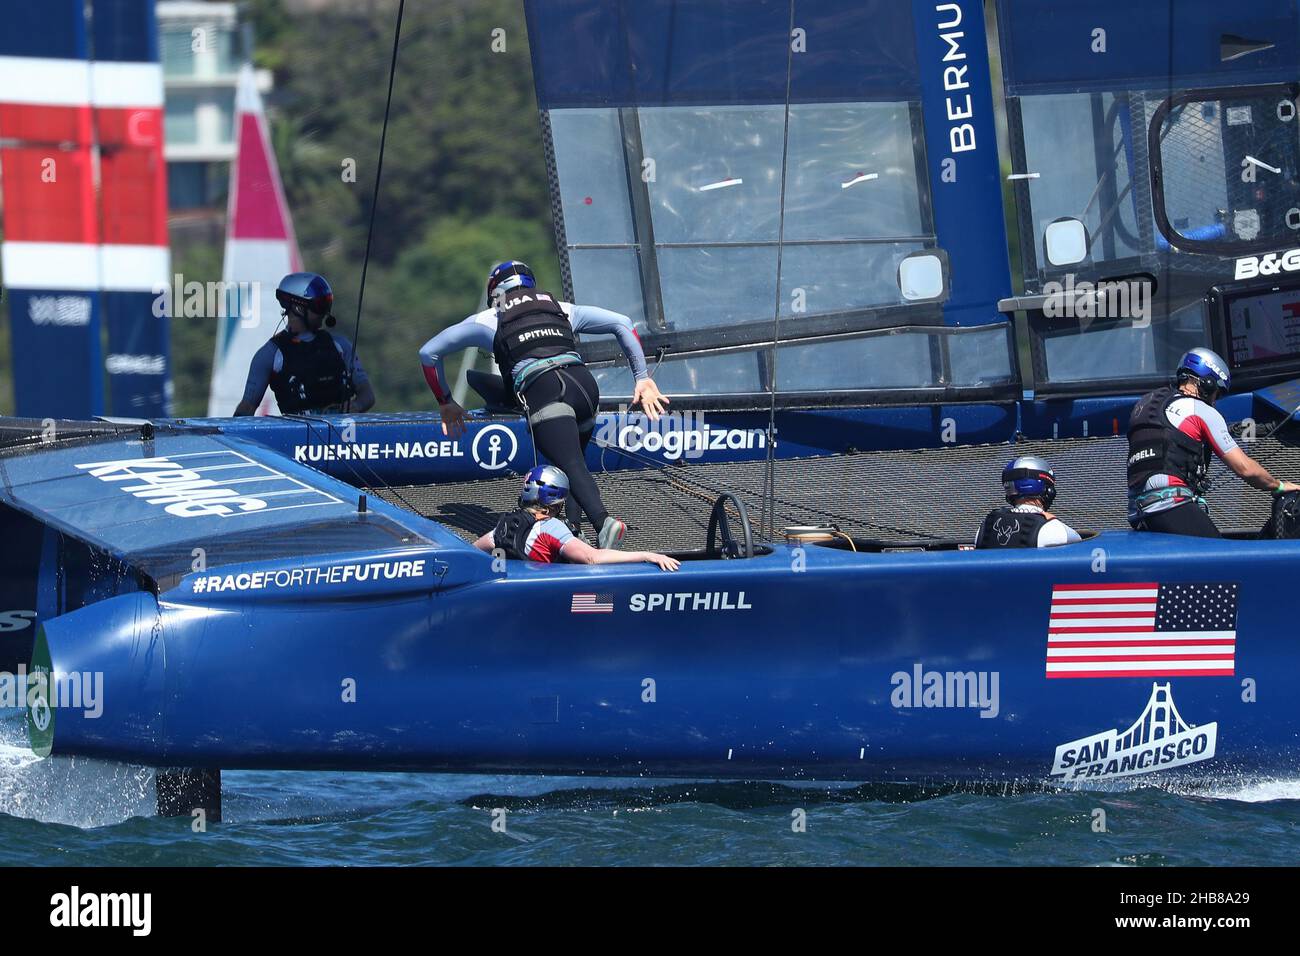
x=299, y=292
x=1209, y=371
x=545, y=485
x=509, y=275
x=1028, y=476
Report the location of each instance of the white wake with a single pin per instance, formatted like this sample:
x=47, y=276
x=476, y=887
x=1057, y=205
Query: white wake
x=77, y=791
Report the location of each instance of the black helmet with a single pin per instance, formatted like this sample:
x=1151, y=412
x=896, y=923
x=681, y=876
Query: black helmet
x=301, y=292
x=1029, y=476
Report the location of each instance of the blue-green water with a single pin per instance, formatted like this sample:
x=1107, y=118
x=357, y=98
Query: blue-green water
x=80, y=812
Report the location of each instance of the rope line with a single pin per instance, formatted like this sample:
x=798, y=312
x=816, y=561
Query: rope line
x=374, y=198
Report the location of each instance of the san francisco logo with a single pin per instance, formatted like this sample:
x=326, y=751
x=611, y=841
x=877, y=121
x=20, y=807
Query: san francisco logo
x=1158, y=740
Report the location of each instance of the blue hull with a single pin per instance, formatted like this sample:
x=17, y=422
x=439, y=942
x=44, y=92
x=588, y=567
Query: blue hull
x=795, y=664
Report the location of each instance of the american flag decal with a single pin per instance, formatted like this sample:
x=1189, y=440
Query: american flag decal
x=1142, y=630
x=592, y=604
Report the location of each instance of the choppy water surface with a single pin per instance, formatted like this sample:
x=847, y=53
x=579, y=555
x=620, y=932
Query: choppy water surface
x=83, y=812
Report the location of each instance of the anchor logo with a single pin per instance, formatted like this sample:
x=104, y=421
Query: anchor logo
x=488, y=448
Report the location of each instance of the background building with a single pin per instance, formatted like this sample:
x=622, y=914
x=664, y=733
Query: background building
x=203, y=45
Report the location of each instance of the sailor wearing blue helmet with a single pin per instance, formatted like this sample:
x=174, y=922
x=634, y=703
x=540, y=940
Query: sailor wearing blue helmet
x=535, y=531
x=308, y=369
x=531, y=334
x=1172, y=434
x=1024, y=521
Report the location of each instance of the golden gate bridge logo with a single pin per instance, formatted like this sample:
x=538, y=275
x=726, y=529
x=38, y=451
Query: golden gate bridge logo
x=1158, y=740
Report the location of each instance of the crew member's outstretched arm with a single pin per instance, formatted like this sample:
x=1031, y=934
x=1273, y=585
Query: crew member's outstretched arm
x=589, y=318
x=1253, y=473
x=579, y=552
x=468, y=333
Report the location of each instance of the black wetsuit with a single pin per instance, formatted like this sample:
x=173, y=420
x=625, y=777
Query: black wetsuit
x=536, y=351
x=562, y=405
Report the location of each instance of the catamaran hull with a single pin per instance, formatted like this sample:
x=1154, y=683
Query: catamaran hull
x=803, y=663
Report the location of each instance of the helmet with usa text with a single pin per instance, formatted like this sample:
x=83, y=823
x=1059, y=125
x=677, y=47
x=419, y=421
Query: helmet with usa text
x=506, y=276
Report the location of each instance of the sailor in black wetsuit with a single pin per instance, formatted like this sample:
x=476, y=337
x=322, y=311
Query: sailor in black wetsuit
x=535, y=348
x=307, y=368
x=1025, y=522
x=1172, y=434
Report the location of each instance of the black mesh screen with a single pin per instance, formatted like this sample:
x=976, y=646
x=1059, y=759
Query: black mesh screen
x=888, y=495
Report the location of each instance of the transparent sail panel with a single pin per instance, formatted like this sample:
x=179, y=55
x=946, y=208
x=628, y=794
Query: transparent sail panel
x=902, y=362
x=854, y=209
x=1149, y=149
x=588, y=148
x=1067, y=184
x=756, y=188
x=981, y=357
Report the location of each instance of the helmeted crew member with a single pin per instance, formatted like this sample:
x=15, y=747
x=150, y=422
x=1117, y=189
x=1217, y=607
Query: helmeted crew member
x=1171, y=435
x=531, y=336
x=535, y=532
x=308, y=369
x=1025, y=522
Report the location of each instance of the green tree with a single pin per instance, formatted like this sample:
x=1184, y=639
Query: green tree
x=464, y=179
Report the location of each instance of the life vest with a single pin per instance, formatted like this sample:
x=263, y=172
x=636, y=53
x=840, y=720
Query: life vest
x=313, y=375
x=530, y=325
x=1156, y=447
x=1007, y=528
x=511, y=533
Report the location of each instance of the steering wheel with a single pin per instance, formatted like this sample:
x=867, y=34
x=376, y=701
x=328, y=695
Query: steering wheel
x=720, y=525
